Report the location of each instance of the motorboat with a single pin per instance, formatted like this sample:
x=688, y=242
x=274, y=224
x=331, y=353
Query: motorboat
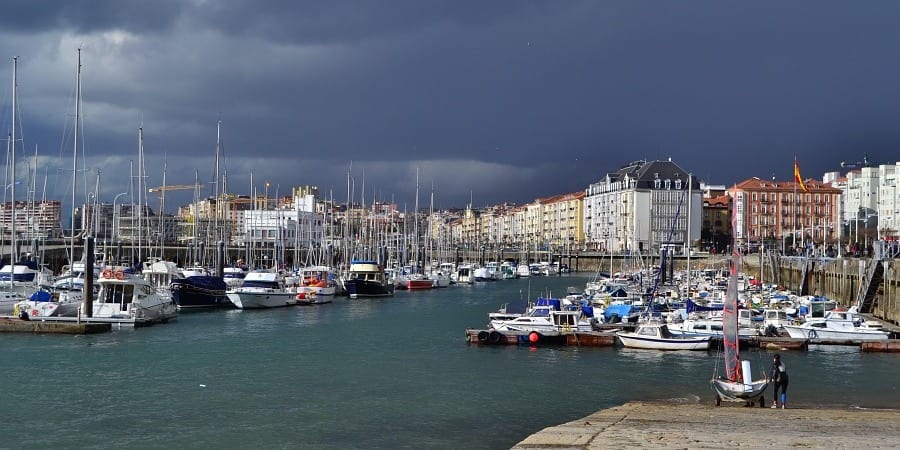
x=838, y=324
x=548, y=318
x=262, y=290
x=523, y=271
x=199, y=291
x=707, y=327
x=655, y=335
x=128, y=299
x=464, y=274
x=367, y=279
x=316, y=285
x=234, y=276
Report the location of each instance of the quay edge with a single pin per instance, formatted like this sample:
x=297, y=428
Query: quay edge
x=16, y=325
x=661, y=425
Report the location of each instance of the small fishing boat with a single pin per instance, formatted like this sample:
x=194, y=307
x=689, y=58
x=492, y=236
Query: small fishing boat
x=655, y=335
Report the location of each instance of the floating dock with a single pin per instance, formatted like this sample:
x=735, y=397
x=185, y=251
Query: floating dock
x=16, y=325
x=584, y=339
x=607, y=338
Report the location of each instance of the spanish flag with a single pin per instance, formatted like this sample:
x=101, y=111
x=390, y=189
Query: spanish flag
x=797, y=176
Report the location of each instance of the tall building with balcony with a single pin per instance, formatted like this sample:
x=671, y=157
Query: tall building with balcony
x=643, y=206
x=776, y=210
x=33, y=220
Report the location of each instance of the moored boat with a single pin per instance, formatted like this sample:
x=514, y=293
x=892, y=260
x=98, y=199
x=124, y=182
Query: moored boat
x=128, y=299
x=838, y=325
x=199, y=291
x=262, y=290
x=367, y=279
x=655, y=335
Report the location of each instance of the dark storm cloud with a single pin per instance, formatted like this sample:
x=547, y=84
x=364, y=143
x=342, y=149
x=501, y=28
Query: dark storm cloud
x=88, y=15
x=493, y=101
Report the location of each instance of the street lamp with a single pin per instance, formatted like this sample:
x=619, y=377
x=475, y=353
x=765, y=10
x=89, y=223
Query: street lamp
x=116, y=215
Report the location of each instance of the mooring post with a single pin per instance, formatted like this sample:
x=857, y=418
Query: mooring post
x=220, y=259
x=88, y=299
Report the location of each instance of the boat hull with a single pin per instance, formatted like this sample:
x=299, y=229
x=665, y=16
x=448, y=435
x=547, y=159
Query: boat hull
x=632, y=340
x=258, y=300
x=800, y=332
x=199, y=292
x=415, y=285
x=734, y=391
x=357, y=288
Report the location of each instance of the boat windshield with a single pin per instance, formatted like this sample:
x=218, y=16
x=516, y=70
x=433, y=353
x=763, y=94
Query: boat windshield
x=117, y=293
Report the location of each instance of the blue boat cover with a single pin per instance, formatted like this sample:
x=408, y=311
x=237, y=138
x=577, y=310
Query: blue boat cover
x=622, y=311
x=553, y=302
x=40, y=296
x=691, y=307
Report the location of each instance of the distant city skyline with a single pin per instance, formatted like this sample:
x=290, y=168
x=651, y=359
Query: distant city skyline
x=493, y=102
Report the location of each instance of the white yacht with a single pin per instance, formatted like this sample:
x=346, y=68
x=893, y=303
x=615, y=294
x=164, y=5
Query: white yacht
x=262, y=290
x=131, y=300
x=838, y=324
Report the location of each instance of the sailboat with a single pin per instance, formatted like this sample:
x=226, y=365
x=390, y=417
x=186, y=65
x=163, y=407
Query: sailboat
x=737, y=383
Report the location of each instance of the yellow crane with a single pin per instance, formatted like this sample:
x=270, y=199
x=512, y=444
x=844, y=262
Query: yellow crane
x=175, y=187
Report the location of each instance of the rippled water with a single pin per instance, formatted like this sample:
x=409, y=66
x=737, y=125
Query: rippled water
x=387, y=373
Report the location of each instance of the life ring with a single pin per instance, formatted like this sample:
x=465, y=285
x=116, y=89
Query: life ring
x=120, y=275
x=34, y=313
x=107, y=273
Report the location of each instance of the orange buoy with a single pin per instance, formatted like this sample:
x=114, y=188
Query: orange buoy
x=534, y=337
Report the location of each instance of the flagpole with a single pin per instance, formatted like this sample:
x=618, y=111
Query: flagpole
x=796, y=205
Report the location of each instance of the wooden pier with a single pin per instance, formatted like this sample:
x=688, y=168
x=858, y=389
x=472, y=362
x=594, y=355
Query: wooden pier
x=16, y=325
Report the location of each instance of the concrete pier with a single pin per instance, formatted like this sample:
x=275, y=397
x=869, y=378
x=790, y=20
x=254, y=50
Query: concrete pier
x=16, y=325
x=654, y=425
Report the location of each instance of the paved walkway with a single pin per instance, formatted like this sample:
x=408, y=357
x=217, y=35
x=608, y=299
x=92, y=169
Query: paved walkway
x=651, y=425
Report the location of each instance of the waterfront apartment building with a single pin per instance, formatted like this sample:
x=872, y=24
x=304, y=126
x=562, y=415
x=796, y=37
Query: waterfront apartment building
x=716, y=228
x=33, y=220
x=776, y=210
x=888, y=202
x=643, y=206
x=562, y=221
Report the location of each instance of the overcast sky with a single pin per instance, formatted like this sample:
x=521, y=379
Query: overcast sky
x=490, y=100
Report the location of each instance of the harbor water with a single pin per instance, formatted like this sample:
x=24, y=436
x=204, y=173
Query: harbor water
x=377, y=374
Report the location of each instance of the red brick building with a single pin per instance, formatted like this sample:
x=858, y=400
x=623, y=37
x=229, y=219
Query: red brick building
x=775, y=210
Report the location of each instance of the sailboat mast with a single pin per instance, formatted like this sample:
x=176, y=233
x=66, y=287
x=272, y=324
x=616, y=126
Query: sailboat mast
x=13, y=252
x=75, y=153
x=162, y=207
x=216, y=190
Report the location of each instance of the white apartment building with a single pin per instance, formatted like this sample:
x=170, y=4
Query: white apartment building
x=888, y=201
x=643, y=206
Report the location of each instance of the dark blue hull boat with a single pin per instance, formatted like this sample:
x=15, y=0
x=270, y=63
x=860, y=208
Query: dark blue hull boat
x=199, y=292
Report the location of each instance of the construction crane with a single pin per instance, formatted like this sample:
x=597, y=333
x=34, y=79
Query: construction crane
x=175, y=187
